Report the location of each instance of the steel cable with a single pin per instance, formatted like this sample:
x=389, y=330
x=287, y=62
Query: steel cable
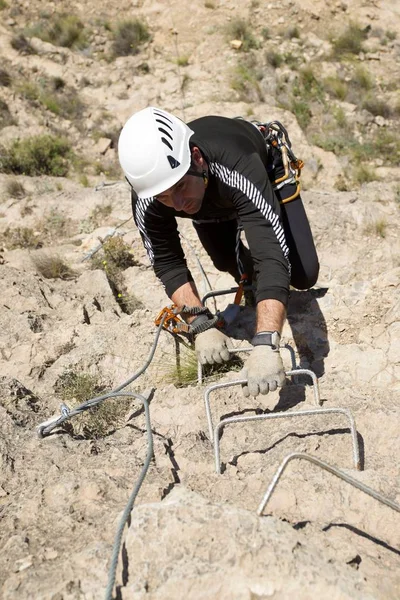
x=132, y=497
x=66, y=413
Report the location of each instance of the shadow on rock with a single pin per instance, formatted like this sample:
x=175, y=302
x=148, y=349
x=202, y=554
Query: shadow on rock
x=309, y=329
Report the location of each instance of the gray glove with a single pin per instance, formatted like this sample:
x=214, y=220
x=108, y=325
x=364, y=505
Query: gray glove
x=212, y=346
x=263, y=370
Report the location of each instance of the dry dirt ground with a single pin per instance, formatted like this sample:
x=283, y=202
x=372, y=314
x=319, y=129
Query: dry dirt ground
x=194, y=534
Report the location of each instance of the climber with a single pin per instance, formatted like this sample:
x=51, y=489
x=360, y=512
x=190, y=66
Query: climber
x=220, y=173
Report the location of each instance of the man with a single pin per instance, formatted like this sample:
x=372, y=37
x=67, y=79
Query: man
x=215, y=171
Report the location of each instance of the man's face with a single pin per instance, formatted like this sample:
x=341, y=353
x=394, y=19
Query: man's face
x=186, y=195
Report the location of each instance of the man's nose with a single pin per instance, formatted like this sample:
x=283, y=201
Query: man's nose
x=178, y=201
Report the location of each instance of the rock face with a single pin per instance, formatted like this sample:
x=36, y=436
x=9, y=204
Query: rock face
x=210, y=551
x=195, y=534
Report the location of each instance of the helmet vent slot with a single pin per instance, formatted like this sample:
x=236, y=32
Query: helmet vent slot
x=165, y=124
x=167, y=133
x=162, y=116
x=166, y=142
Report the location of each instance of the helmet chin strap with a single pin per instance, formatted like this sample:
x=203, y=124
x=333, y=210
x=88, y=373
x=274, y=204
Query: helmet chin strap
x=202, y=174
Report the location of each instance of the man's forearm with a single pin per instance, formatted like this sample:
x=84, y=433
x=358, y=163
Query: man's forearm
x=187, y=294
x=271, y=315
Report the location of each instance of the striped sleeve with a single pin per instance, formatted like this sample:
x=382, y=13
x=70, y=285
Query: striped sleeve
x=258, y=209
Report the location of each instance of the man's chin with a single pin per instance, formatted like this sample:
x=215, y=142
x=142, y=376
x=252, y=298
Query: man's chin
x=192, y=209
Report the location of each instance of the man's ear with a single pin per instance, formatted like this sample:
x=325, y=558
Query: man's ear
x=197, y=157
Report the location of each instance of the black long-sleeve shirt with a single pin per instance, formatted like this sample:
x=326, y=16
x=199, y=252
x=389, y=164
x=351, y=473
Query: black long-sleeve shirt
x=239, y=187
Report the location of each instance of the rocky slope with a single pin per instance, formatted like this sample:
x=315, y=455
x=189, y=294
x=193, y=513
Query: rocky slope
x=193, y=533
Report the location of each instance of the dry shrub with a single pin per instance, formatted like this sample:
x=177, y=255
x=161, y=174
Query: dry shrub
x=245, y=80
x=66, y=30
x=54, y=95
x=5, y=78
x=115, y=254
x=239, y=29
x=376, y=228
x=20, y=237
x=75, y=387
x=20, y=43
x=37, y=155
x=350, y=41
x=100, y=213
x=55, y=225
x=129, y=35
x=52, y=266
x=183, y=372
x=114, y=257
x=15, y=189
x=6, y=118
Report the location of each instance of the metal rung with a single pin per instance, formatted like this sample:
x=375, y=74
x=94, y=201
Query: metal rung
x=286, y=415
x=354, y=482
x=214, y=294
x=227, y=384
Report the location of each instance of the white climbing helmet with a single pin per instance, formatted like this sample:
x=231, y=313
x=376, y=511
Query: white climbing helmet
x=154, y=151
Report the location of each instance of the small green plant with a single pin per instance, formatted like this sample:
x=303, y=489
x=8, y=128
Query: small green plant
x=3, y=4
x=239, y=29
x=308, y=85
x=186, y=79
x=66, y=30
x=22, y=45
x=340, y=117
x=302, y=112
x=114, y=257
x=364, y=174
x=182, y=61
x=129, y=35
x=336, y=87
x=37, y=155
x=75, y=387
x=83, y=180
x=274, y=59
x=28, y=90
x=383, y=143
x=15, y=189
x=20, y=237
x=52, y=266
x=265, y=33
x=377, y=106
x=209, y=5
x=362, y=78
x=100, y=213
x=5, y=78
x=115, y=254
x=292, y=32
x=376, y=228
x=342, y=184
x=53, y=95
x=55, y=225
x=245, y=81
x=350, y=42
x=109, y=168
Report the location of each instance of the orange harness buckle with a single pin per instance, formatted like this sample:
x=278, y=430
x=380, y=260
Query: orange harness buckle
x=172, y=322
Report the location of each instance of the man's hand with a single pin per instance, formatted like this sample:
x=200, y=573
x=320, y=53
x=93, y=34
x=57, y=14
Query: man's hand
x=212, y=346
x=263, y=370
